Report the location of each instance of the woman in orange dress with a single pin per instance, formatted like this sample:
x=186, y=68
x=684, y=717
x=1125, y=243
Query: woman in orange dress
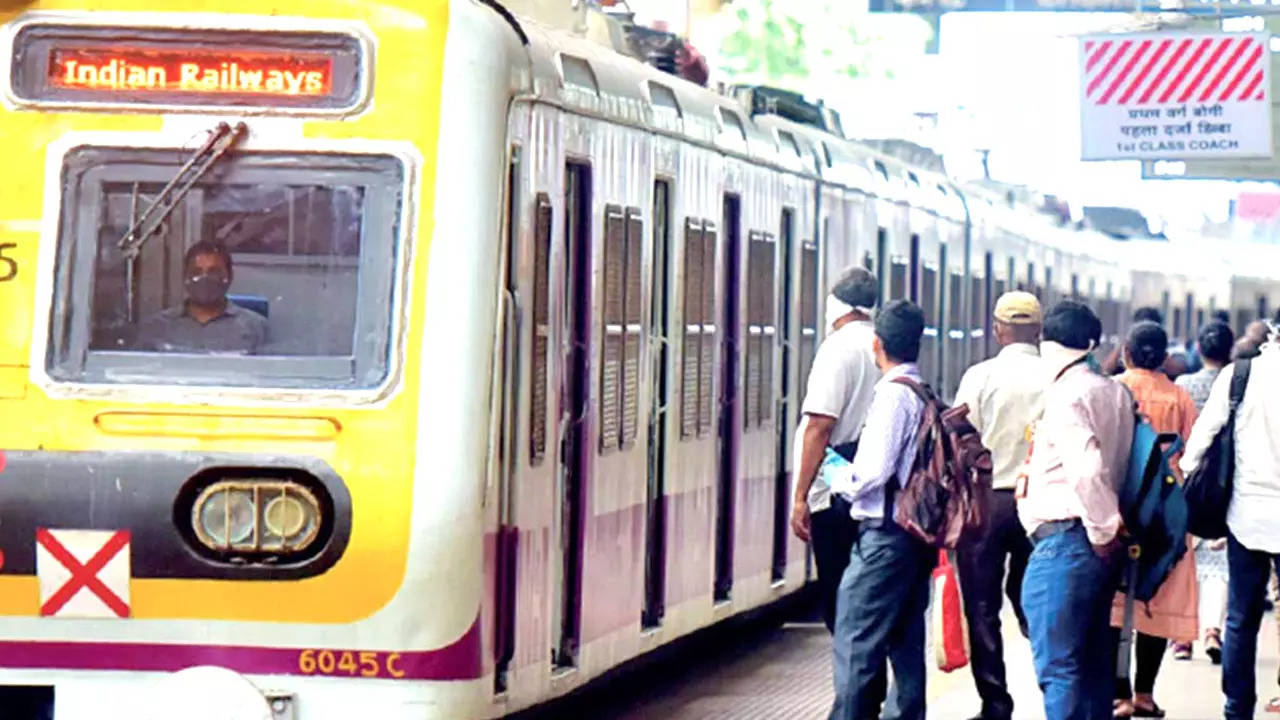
x=1173, y=613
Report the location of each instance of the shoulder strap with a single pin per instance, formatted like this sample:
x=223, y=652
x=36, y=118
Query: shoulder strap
x=922, y=391
x=1082, y=359
x=1239, y=380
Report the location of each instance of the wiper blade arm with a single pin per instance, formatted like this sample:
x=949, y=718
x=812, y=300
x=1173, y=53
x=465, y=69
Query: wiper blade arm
x=221, y=139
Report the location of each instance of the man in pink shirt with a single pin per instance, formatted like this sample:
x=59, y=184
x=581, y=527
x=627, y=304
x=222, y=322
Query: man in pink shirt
x=1068, y=503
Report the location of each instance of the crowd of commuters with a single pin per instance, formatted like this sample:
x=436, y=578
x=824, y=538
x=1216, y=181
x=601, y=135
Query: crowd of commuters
x=1059, y=420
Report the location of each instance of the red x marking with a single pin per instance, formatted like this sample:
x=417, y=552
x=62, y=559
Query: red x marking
x=86, y=575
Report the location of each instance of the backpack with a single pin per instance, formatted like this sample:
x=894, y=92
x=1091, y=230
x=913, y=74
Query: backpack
x=946, y=493
x=1154, y=508
x=1209, y=486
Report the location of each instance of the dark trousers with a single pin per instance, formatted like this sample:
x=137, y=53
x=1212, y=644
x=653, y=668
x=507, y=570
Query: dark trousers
x=1249, y=572
x=880, y=616
x=1148, y=654
x=831, y=532
x=981, y=562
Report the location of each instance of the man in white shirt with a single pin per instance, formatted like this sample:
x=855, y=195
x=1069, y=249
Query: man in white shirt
x=885, y=588
x=840, y=386
x=1005, y=396
x=1253, y=540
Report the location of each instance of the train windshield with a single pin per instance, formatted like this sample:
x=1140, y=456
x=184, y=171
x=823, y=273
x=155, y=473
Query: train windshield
x=271, y=269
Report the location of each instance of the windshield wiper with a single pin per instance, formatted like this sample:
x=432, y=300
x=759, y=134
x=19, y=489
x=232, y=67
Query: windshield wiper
x=221, y=139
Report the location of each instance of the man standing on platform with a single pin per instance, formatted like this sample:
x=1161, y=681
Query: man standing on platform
x=1005, y=397
x=1068, y=502
x=885, y=589
x=1253, y=538
x=836, y=401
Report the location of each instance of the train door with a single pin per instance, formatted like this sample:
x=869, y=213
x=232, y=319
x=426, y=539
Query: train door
x=727, y=463
x=781, y=507
x=575, y=362
x=659, y=345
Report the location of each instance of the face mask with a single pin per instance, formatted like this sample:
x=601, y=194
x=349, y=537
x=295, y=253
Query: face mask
x=207, y=289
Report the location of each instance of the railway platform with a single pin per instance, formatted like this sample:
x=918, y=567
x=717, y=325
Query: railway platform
x=783, y=673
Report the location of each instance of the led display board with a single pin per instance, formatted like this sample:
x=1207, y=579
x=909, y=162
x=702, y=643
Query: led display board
x=152, y=66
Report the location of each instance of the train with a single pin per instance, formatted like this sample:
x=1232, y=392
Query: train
x=511, y=347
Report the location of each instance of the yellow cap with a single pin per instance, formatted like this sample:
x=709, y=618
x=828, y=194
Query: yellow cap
x=1018, y=308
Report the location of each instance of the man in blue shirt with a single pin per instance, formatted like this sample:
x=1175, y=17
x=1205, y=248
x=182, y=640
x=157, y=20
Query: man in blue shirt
x=885, y=589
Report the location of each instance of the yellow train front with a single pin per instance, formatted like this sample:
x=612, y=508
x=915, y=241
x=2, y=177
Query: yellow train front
x=287, y=495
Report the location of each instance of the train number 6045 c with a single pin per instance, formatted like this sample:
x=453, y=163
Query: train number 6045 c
x=364, y=663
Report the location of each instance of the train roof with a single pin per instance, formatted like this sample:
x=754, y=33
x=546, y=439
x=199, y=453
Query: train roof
x=579, y=70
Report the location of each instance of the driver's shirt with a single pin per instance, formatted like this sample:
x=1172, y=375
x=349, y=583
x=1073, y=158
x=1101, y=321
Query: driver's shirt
x=236, y=330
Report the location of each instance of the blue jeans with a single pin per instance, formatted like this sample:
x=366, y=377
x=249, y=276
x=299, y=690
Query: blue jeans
x=1249, y=571
x=880, y=616
x=1066, y=595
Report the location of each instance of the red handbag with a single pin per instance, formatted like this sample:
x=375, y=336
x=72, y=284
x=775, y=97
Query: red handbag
x=950, y=627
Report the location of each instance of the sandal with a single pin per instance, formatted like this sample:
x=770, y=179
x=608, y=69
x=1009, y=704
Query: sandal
x=1182, y=651
x=1121, y=709
x=1213, y=646
x=1274, y=705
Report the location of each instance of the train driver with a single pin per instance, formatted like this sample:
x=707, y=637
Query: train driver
x=206, y=322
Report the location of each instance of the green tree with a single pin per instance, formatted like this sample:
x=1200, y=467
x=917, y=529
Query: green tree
x=807, y=45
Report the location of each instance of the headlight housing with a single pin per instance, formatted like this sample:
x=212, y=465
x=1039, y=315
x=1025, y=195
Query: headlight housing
x=257, y=516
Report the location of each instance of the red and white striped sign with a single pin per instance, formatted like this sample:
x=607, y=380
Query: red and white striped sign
x=1175, y=95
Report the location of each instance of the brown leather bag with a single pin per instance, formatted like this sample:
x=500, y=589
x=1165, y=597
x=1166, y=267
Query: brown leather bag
x=946, y=493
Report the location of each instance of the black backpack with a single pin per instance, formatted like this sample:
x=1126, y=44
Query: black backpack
x=1208, y=487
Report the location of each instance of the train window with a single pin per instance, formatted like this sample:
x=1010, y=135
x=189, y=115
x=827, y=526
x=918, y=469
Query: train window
x=761, y=312
x=929, y=296
x=913, y=273
x=955, y=329
x=978, y=288
x=751, y=362
x=1075, y=287
x=661, y=96
x=955, y=302
x=1177, y=325
x=1189, y=332
x=1050, y=293
x=1031, y=286
x=578, y=72
x=633, y=319
x=224, y=279
x=808, y=309
x=692, y=336
x=706, y=374
x=612, y=330
x=897, y=280
x=882, y=170
x=541, y=329
x=882, y=257
x=915, y=180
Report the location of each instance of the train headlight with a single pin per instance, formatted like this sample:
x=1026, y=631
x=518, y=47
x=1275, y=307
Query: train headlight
x=256, y=516
x=226, y=516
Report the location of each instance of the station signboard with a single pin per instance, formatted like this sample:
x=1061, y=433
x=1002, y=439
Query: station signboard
x=1172, y=96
